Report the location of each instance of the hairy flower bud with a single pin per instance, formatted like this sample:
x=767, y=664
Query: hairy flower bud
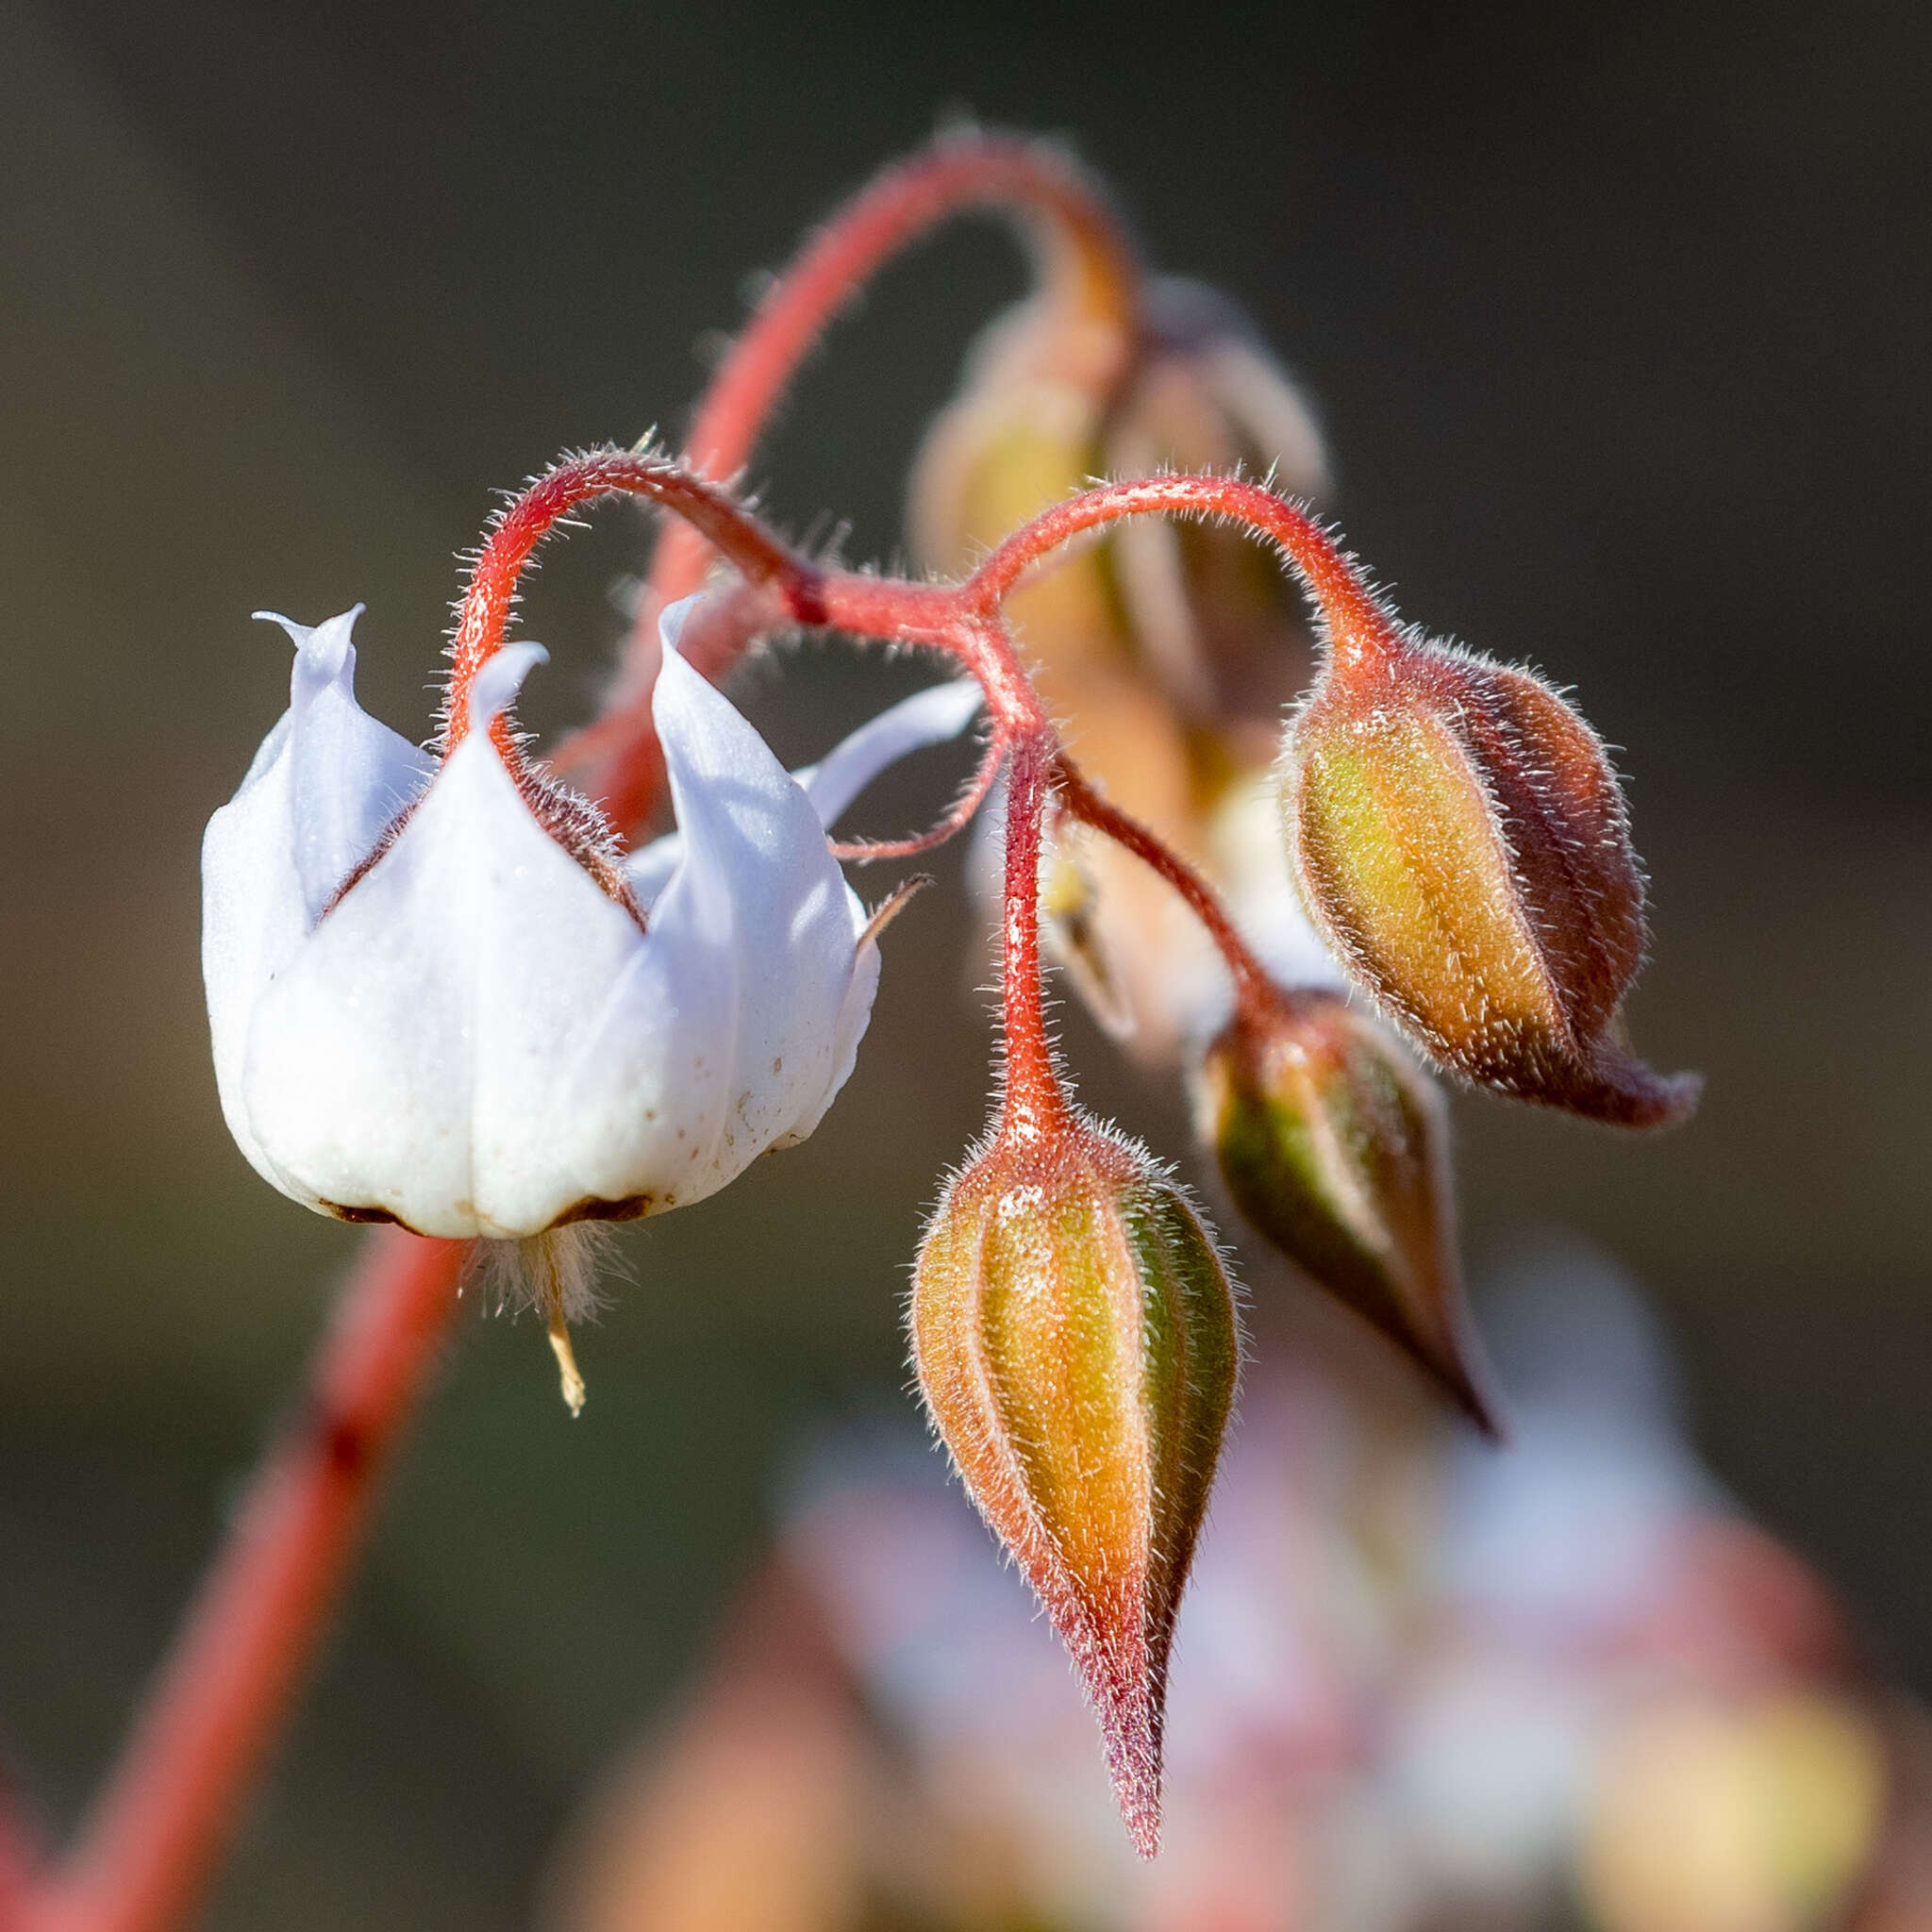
x=1075, y=1336
x=1333, y=1145
x=1462, y=842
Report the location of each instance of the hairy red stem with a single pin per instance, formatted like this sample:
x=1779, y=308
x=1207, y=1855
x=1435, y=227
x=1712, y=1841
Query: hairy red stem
x=225, y=1687
x=1078, y=799
x=1354, y=622
x=1073, y=230
x=1034, y=1101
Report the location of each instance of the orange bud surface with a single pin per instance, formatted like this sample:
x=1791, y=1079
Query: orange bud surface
x=1075, y=1335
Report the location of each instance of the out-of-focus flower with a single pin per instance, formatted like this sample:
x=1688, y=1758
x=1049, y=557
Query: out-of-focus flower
x=1462, y=842
x=1417, y=1683
x=435, y=1000
x=1167, y=650
x=1075, y=1336
x=1728, y=1815
x=1053, y=395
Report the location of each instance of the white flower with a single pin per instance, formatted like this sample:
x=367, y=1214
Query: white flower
x=473, y=1038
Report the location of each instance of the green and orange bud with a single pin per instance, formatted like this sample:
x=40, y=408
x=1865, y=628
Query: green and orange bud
x=1462, y=843
x=1075, y=1335
x=1333, y=1145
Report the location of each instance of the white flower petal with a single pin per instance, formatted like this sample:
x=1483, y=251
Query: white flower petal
x=756, y=887
x=408, y=1059
x=324, y=785
x=476, y=1039
x=496, y=686
x=928, y=717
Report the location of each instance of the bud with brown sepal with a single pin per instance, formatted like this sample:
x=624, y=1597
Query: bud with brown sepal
x=1462, y=843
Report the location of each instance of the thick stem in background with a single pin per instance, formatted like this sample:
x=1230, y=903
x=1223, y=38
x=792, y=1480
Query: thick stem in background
x=224, y=1689
x=1078, y=243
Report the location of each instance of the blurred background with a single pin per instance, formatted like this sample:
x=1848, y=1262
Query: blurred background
x=1616, y=326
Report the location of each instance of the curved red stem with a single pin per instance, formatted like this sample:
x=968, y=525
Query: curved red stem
x=1354, y=624
x=869, y=851
x=490, y=594
x=1074, y=231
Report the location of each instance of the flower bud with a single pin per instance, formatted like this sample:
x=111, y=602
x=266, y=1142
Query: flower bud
x=1462, y=842
x=1054, y=395
x=1075, y=1335
x=1334, y=1147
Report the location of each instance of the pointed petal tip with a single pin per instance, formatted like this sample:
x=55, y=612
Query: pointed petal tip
x=932, y=716
x=673, y=618
x=322, y=649
x=496, y=685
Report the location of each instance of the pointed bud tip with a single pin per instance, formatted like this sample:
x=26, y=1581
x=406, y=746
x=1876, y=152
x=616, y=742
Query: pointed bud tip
x=1628, y=1093
x=1131, y=1724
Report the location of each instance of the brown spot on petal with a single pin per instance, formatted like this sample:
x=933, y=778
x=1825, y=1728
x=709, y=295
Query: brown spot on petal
x=369, y=1216
x=632, y=1208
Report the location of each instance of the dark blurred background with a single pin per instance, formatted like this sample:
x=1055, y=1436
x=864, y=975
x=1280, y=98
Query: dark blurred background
x=1617, y=322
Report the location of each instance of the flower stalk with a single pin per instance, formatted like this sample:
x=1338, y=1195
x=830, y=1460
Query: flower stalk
x=1054, y=1232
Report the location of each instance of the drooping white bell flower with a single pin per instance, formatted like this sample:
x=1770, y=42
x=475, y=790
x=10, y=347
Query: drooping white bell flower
x=475, y=1038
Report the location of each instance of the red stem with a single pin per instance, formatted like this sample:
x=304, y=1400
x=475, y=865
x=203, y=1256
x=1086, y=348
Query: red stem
x=1356, y=624
x=225, y=1687
x=1079, y=800
x=1074, y=233
x=1081, y=247
x=1034, y=1101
